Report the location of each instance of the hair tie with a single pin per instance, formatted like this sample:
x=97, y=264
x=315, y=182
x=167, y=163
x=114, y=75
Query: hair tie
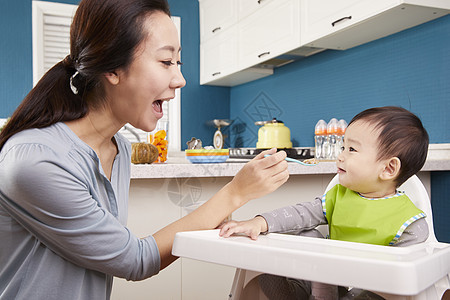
x=72, y=87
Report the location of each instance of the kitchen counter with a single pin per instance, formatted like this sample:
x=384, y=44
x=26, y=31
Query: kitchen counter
x=178, y=166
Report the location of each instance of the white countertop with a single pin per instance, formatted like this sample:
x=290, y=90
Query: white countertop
x=177, y=166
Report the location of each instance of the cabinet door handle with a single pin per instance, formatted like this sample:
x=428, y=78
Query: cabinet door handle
x=259, y=1
x=264, y=53
x=341, y=19
x=215, y=29
x=215, y=74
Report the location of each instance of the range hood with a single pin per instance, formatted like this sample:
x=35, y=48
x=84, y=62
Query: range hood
x=286, y=58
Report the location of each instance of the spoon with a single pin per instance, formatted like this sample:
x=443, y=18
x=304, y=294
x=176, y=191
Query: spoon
x=296, y=161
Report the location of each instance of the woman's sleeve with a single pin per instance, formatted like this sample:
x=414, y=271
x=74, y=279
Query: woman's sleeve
x=299, y=217
x=54, y=204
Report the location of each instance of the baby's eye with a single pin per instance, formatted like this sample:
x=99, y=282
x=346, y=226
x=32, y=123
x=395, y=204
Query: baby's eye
x=351, y=149
x=342, y=148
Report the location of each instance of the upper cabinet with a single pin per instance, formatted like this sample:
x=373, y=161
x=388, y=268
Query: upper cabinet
x=244, y=40
x=216, y=16
x=245, y=8
x=269, y=31
x=345, y=24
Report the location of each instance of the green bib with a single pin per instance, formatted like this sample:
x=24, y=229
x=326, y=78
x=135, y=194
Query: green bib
x=380, y=221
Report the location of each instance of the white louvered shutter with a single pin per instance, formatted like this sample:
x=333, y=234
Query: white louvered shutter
x=51, y=35
x=56, y=39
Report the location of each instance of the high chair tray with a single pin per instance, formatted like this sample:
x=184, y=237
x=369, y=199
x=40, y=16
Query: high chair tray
x=395, y=270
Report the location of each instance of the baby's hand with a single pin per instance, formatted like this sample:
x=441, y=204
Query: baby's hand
x=252, y=227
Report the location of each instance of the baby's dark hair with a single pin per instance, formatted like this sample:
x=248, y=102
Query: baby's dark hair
x=401, y=135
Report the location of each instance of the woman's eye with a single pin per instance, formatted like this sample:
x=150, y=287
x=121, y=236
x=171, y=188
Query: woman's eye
x=167, y=62
x=351, y=149
x=170, y=63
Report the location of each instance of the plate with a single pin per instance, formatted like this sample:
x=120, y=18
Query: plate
x=207, y=156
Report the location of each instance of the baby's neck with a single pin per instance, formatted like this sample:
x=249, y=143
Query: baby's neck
x=380, y=194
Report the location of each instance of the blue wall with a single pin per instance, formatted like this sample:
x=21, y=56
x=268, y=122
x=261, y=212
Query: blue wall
x=16, y=70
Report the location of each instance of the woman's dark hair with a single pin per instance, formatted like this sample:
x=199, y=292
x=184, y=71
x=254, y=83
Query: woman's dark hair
x=401, y=135
x=104, y=36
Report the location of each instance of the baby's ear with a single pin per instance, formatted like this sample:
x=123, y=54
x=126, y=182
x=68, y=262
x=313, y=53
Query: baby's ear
x=391, y=169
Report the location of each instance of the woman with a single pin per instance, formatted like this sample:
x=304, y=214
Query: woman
x=65, y=171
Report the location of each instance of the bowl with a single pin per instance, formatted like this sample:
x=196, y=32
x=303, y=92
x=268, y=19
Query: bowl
x=206, y=156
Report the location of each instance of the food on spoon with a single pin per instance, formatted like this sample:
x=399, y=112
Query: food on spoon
x=311, y=161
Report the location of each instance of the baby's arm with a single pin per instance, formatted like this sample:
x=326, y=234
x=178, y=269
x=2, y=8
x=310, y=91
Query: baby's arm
x=299, y=217
x=252, y=227
x=415, y=233
x=302, y=216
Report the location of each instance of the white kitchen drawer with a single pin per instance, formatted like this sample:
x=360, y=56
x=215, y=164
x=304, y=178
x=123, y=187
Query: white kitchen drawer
x=270, y=31
x=216, y=16
x=218, y=55
x=355, y=22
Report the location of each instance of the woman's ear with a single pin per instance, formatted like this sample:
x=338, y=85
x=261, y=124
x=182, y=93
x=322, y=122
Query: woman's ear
x=391, y=169
x=112, y=78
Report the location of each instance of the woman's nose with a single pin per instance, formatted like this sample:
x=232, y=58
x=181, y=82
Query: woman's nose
x=178, y=80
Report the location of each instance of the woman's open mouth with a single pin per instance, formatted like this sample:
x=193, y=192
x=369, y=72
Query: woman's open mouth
x=157, y=108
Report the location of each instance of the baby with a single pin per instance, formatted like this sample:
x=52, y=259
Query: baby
x=383, y=147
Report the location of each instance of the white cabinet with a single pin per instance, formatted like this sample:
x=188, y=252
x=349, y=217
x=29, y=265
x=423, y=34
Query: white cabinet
x=243, y=40
x=216, y=16
x=348, y=23
x=246, y=7
x=219, y=61
x=218, y=56
x=271, y=30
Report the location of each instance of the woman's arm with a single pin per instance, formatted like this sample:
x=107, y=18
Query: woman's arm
x=259, y=177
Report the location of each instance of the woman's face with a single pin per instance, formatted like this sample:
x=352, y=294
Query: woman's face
x=135, y=95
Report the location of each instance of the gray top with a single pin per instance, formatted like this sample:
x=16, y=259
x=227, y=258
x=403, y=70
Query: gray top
x=62, y=222
x=308, y=215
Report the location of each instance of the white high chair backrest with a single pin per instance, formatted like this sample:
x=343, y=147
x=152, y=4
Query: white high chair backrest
x=415, y=190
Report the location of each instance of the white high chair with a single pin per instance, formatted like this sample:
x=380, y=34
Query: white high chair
x=416, y=272
x=245, y=282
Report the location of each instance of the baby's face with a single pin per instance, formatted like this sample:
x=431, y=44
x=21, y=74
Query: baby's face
x=358, y=167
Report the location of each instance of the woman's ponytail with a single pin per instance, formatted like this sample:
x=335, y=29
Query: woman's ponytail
x=49, y=102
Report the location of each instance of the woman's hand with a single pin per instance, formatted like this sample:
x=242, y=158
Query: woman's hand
x=252, y=227
x=260, y=176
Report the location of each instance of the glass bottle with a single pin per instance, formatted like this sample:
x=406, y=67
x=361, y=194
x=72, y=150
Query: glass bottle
x=330, y=143
x=319, y=139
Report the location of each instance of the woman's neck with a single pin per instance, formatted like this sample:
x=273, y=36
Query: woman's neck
x=96, y=129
